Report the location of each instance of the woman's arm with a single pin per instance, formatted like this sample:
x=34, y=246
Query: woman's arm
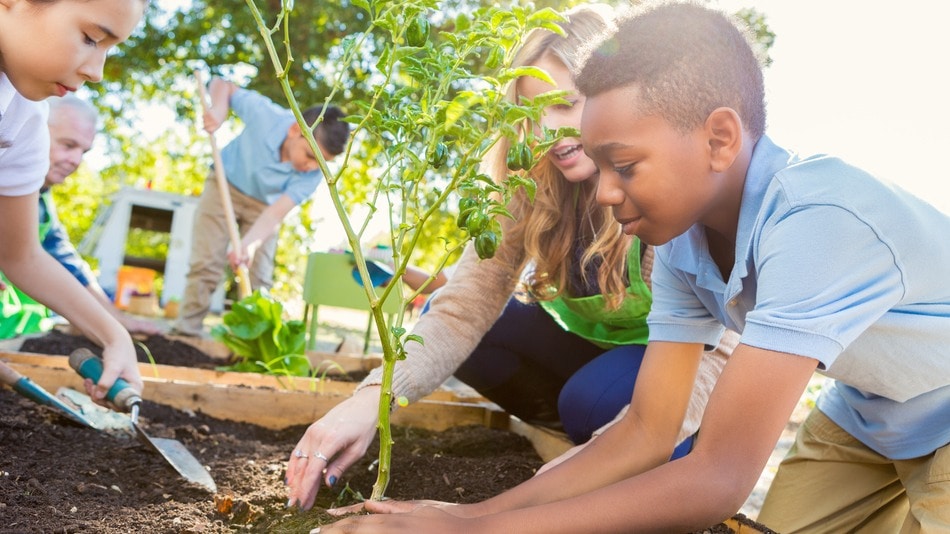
x=459, y=316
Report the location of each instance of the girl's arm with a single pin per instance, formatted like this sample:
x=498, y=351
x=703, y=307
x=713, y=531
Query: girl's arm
x=38, y=274
x=459, y=316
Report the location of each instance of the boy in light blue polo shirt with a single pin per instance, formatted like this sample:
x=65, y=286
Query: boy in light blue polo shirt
x=270, y=169
x=817, y=264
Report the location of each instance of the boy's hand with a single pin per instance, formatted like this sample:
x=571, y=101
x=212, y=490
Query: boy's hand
x=390, y=506
x=214, y=117
x=238, y=258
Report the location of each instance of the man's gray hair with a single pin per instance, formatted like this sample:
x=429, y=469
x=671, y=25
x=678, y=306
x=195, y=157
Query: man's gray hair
x=84, y=108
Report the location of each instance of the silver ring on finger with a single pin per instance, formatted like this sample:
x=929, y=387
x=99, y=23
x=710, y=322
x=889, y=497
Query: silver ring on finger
x=319, y=455
x=300, y=454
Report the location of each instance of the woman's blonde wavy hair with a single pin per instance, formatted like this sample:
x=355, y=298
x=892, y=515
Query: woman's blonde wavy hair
x=563, y=212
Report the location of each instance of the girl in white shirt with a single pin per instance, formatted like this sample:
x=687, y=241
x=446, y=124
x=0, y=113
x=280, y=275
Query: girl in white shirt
x=51, y=47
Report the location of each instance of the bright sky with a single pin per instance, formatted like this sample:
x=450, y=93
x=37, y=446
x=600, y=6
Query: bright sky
x=863, y=80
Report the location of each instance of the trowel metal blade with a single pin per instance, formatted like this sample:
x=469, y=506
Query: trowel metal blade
x=183, y=461
x=99, y=417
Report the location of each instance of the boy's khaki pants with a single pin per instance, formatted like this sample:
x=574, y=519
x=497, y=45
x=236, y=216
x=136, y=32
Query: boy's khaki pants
x=209, y=246
x=830, y=482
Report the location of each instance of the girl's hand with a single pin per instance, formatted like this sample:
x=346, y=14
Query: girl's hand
x=118, y=360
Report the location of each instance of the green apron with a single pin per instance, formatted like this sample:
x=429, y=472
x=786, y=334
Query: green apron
x=19, y=313
x=588, y=318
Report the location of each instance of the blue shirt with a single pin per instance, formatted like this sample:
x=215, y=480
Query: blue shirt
x=252, y=159
x=56, y=242
x=835, y=265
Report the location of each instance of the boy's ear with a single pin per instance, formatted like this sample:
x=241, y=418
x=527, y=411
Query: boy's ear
x=293, y=131
x=724, y=131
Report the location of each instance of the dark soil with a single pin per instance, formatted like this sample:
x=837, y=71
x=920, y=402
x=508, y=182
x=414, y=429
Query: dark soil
x=57, y=476
x=163, y=350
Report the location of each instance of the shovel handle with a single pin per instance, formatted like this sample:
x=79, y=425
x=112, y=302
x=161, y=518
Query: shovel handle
x=243, y=276
x=88, y=365
x=9, y=375
x=22, y=385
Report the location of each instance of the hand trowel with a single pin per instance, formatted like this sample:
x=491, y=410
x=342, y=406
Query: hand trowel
x=88, y=365
x=29, y=389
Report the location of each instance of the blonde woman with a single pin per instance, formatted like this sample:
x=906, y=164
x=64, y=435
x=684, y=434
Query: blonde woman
x=565, y=352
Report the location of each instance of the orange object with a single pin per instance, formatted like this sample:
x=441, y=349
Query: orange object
x=133, y=280
x=171, y=309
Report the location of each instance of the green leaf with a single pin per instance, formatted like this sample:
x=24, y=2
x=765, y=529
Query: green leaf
x=528, y=70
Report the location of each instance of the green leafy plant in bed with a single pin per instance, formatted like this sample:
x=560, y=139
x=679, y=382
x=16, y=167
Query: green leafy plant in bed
x=261, y=340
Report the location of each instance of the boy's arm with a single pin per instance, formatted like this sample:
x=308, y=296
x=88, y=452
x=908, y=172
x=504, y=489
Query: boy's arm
x=266, y=225
x=220, y=91
x=746, y=414
x=598, y=489
x=643, y=439
x=39, y=275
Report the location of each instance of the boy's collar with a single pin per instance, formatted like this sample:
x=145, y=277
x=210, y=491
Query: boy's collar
x=767, y=160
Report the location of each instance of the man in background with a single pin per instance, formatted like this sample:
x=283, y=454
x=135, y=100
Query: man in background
x=72, y=127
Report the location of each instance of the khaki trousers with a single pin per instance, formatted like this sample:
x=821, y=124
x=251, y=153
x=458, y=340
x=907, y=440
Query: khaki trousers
x=209, y=247
x=832, y=483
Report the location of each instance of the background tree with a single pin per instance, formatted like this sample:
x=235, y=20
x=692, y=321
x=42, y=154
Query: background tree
x=154, y=71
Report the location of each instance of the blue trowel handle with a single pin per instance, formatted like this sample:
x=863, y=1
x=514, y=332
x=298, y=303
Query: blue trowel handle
x=88, y=365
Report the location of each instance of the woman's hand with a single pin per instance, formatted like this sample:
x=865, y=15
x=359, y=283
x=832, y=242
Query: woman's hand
x=331, y=445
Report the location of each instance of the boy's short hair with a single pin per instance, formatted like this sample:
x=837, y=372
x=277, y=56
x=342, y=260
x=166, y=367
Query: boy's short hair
x=333, y=132
x=686, y=59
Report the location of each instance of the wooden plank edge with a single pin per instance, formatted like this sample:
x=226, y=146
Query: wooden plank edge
x=207, y=376
x=265, y=405
x=324, y=362
x=548, y=443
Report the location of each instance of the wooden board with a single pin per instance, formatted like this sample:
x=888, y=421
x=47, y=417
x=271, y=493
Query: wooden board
x=265, y=400
x=279, y=402
x=548, y=443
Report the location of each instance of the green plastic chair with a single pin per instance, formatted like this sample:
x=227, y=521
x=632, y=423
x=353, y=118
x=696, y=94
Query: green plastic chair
x=329, y=282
